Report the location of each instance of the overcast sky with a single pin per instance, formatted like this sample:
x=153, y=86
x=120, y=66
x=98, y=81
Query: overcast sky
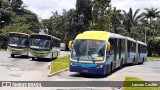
x=43, y=8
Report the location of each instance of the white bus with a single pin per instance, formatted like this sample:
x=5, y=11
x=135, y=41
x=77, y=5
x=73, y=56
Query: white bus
x=44, y=46
x=18, y=44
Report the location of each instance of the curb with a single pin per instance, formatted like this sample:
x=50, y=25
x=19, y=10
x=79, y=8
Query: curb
x=52, y=74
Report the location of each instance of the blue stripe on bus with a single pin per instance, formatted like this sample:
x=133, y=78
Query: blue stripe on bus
x=104, y=70
x=84, y=65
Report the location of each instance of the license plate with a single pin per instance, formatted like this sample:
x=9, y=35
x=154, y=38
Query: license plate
x=84, y=70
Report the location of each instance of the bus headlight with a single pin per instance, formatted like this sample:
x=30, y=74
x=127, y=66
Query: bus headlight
x=99, y=66
x=72, y=64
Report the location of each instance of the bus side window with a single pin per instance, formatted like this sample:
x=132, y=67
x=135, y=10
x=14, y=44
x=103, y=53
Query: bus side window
x=111, y=52
x=56, y=43
x=129, y=48
x=123, y=45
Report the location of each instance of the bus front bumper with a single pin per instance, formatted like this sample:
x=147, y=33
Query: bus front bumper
x=17, y=51
x=100, y=71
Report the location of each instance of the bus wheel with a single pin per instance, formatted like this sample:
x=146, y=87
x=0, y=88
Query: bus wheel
x=12, y=55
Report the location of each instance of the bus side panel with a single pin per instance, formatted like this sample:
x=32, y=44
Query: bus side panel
x=131, y=52
x=132, y=57
x=142, y=54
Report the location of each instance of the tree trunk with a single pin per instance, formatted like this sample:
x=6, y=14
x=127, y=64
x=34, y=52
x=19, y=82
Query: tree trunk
x=150, y=27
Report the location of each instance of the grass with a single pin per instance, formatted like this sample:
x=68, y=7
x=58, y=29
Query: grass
x=136, y=80
x=59, y=64
x=153, y=58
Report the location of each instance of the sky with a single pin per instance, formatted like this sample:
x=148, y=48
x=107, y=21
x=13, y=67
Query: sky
x=44, y=8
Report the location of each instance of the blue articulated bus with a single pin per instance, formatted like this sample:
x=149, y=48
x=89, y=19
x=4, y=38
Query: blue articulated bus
x=101, y=52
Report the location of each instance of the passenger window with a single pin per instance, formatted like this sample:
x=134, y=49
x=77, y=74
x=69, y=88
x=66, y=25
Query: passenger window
x=111, y=52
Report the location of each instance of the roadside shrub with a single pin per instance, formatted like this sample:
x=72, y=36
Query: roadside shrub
x=154, y=45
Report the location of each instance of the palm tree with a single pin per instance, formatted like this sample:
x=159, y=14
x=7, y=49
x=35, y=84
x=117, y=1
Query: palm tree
x=130, y=19
x=115, y=17
x=150, y=14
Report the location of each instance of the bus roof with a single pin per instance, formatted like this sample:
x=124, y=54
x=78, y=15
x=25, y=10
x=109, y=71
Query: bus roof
x=131, y=39
x=47, y=35
x=113, y=35
x=142, y=43
x=97, y=35
x=18, y=33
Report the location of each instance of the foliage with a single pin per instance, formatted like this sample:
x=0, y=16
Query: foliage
x=14, y=18
x=83, y=17
x=130, y=19
x=99, y=12
x=5, y=12
x=71, y=22
x=16, y=4
x=154, y=44
x=88, y=15
x=116, y=19
x=150, y=14
x=62, y=25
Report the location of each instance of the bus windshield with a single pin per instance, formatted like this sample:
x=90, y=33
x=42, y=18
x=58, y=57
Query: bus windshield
x=40, y=43
x=18, y=40
x=88, y=50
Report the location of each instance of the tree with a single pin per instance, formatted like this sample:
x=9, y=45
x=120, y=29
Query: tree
x=13, y=19
x=62, y=25
x=130, y=19
x=99, y=12
x=156, y=27
x=83, y=15
x=16, y=4
x=153, y=45
x=150, y=14
x=5, y=13
x=116, y=17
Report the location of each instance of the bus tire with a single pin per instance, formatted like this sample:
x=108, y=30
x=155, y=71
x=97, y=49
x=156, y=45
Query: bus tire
x=12, y=55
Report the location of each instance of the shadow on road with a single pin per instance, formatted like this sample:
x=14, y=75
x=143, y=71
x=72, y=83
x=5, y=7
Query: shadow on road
x=42, y=59
x=20, y=57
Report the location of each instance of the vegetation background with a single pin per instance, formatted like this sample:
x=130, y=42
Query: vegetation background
x=88, y=15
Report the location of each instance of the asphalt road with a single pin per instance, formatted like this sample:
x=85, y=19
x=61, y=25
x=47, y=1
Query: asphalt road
x=21, y=68
x=149, y=71
x=25, y=69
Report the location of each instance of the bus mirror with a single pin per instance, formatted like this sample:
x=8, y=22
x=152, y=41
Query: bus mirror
x=70, y=44
x=108, y=46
